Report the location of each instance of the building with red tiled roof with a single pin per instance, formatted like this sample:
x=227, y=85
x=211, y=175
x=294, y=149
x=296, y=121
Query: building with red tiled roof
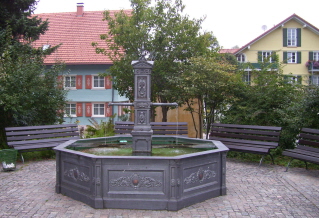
x=89, y=93
x=295, y=41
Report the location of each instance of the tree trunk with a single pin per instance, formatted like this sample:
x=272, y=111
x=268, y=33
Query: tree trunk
x=4, y=122
x=164, y=113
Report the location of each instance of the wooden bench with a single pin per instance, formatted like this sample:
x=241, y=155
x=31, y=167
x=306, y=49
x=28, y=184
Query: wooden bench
x=34, y=138
x=247, y=138
x=159, y=128
x=307, y=148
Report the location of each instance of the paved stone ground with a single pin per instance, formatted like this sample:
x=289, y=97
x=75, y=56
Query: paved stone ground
x=252, y=191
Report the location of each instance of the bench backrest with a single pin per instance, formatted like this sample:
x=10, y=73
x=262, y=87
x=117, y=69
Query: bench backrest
x=27, y=136
x=309, y=139
x=245, y=132
x=159, y=128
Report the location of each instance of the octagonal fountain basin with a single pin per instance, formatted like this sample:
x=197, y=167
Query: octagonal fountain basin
x=190, y=171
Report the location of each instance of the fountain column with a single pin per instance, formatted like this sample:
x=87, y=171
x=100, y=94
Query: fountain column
x=142, y=131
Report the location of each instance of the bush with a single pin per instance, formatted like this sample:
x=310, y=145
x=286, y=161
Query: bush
x=101, y=129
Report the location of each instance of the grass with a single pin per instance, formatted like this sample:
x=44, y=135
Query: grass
x=279, y=160
x=36, y=155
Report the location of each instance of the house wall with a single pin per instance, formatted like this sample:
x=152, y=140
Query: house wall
x=84, y=97
x=274, y=42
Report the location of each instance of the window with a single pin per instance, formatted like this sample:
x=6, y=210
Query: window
x=241, y=58
x=98, y=81
x=267, y=56
x=314, y=80
x=98, y=110
x=246, y=77
x=69, y=81
x=315, y=56
x=70, y=110
x=291, y=57
x=293, y=79
x=291, y=37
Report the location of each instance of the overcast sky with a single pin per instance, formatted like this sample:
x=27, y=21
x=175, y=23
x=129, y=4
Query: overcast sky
x=233, y=22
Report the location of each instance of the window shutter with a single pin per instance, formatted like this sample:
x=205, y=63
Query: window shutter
x=60, y=82
x=298, y=57
x=79, y=110
x=311, y=56
x=285, y=57
x=259, y=56
x=108, y=82
x=78, y=82
x=310, y=80
x=298, y=37
x=284, y=39
x=88, y=109
x=88, y=81
x=299, y=79
x=108, y=110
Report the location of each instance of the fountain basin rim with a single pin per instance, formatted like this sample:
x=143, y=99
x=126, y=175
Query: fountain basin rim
x=220, y=147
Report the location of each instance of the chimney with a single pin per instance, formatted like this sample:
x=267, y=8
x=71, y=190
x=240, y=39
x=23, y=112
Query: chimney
x=80, y=9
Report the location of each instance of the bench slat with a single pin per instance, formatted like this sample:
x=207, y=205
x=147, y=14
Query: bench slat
x=40, y=127
x=31, y=137
x=40, y=141
x=43, y=131
x=28, y=138
x=307, y=148
x=246, y=138
x=275, y=128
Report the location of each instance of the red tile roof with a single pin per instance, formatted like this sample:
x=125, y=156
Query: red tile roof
x=231, y=51
x=76, y=35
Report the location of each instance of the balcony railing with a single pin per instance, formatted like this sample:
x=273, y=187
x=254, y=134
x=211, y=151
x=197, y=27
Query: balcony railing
x=312, y=65
x=259, y=66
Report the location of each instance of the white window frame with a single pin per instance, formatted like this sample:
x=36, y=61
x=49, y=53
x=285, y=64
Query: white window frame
x=292, y=37
x=99, y=79
x=247, y=77
x=69, y=108
x=315, y=56
x=314, y=80
x=69, y=85
x=97, y=108
x=292, y=79
x=241, y=58
x=266, y=55
x=292, y=57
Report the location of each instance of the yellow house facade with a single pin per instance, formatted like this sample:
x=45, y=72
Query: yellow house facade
x=294, y=41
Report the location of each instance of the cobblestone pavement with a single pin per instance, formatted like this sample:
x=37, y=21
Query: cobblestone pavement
x=252, y=191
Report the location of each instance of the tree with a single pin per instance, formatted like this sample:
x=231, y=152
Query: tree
x=270, y=100
x=160, y=28
x=206, y=85
x=29, y=94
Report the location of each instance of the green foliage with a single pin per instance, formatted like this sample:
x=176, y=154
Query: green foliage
x=310, y=107
x=269, y=101
x=29, y=93
x=101, y=129
x=160, y=28
x=206, y=85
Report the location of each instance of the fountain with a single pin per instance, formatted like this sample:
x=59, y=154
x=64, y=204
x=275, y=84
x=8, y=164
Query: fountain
x=141, y=181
